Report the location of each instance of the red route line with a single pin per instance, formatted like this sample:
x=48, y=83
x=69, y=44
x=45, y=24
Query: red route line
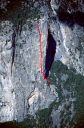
x=41, y=56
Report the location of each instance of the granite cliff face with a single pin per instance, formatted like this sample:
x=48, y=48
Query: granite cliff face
x=25, y=91
x=70, y=15
x=26, y=88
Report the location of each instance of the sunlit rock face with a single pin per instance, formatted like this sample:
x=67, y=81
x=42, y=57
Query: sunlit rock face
x=74, y=47
x=68, y=30
x=25, y=91
x=7, y=95
x=70, y=45
x=30, y=87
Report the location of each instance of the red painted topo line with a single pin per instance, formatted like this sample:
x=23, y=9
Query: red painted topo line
x=40, y=40
x=41, y=56
x=41, y=53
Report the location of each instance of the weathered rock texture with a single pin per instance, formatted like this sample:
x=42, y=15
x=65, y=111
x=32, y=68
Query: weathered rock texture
x=26, y=88
x=26, y=92
x=69, y=6
x=71, y=31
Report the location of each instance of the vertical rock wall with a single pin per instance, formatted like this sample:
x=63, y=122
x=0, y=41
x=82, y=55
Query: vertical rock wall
x=25, y=91
x=7, y=94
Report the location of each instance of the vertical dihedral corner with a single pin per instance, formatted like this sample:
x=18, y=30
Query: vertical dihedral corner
x=50, y=53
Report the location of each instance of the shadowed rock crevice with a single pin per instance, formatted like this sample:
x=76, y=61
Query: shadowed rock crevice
x=50, y=53
x=71, y=19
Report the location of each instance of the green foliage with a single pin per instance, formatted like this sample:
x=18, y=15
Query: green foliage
x=29, y=122
x=43, y=119
x=74, y=84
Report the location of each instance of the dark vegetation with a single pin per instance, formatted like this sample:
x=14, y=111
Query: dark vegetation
x=71, y=19
x=11, y=8
x=9, y=125
x=70, y=13
x=74, y=83
x=19, y=11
